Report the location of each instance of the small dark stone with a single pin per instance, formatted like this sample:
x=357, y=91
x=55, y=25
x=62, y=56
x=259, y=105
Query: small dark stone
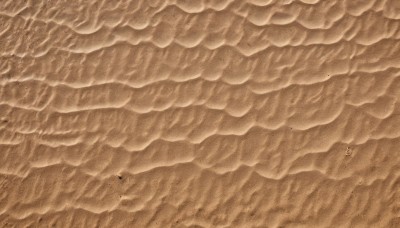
x=119, y=177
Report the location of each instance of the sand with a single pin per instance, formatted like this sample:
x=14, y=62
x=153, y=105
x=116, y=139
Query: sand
x=200, y=113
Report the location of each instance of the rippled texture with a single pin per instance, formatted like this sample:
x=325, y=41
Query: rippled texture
x=189, y=113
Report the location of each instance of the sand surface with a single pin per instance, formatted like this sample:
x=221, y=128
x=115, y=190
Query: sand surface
x=200, y=113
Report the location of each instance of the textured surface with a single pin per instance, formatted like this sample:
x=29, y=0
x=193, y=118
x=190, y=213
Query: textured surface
x=246, y=113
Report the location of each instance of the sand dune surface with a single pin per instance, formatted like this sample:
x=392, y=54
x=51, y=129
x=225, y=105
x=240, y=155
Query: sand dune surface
x=200, y=113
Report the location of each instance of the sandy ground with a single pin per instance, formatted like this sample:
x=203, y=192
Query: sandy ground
x=200, y=113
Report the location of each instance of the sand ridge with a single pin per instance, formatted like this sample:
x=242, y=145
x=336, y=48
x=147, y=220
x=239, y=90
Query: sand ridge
x=209, y=113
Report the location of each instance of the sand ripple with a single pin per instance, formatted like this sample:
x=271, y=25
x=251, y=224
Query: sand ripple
x=211, y=113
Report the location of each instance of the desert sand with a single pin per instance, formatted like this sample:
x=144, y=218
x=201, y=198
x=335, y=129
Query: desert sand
x=200, y=113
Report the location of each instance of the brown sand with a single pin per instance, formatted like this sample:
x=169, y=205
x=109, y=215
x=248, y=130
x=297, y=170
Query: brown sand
x=200, y=113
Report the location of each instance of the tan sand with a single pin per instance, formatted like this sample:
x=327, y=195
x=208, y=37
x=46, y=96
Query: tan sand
x=200, y=113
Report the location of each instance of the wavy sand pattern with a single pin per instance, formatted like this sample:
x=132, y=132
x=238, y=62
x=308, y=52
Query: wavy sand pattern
x=200, y=113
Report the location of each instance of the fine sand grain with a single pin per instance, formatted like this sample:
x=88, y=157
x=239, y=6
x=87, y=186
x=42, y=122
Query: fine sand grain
x=200, y=113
